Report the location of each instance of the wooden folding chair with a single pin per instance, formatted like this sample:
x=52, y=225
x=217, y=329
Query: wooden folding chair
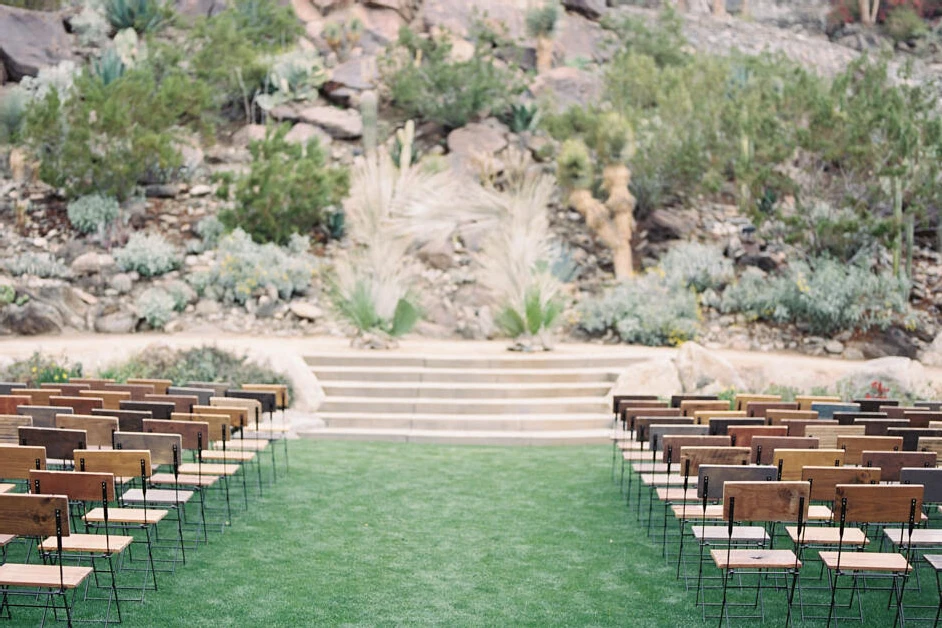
x=880, y=427
x=703, y=417
x=158, y=409
x=128, y=420
x=9, y=403
x=805, y=401
x=80, y=405
x=742, y=401
x=110, y=399
x=892, y=463
x=913, y=435
x=137, y=391
x=775, y=416
x=797, y=427
x=763, y=447
x=69, y=389
x=762, y=408
x=790, y=462
x=874, y=404
x=760, y=502
x=181, y=403
x=742, y=435
x=827, y=435
x=676, y=400
x=39, y=396
x=17, y=460
x=689, y=406
x=43, y=416
x=854, y=446
x=849, y=418
x=720, y=425
x=91, y=381
x=865, y=505
x=98, y=428
x=39, y=516
x=827, y=410
x=58, y=443
x=10, y=425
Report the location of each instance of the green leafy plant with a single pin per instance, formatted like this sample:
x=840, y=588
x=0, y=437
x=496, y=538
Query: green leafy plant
x=293, y=76
x=7, y=294
x=148, y=254
x=210, y=229
x=538, y=314
x=12, y=114
x=44, y=265
x=904, y=24
x=288, y=189
x=155, y=305
x=522, y=117
x=93, y=213
x=40, y=368
x=697, y=266
x=108, y=67
x=144, y=16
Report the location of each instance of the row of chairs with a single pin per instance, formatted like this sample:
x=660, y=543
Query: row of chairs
x=715, y=482
x=142, y=468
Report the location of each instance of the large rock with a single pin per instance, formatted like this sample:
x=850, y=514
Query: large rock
x=302, y=133
x=306, y=311
x=306, y=11
x=489, y=138
x=932, y=356
x=701, y=369
x=30, y=40
x=30, y=319
x=116, y=322
x=358, y=73
x=344, y=124
x=579, y=39
x=654, y=377
x=592, y=9
x=91, y=263
x=458, y=16
x=567, y=86
x=898, y=373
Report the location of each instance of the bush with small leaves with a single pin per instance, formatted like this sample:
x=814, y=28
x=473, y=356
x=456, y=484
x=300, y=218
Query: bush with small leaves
x=93, y=213
x=181, y=293
x=13, y=105
x=155, y=305
x=40, y=368
x=44, y=265
x=148, y=254
x=210, y=229
x=143, y=16
x=698, y=266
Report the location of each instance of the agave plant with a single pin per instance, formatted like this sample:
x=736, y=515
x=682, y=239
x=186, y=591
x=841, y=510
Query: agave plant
x=108, y=67
x=143, y=16
x=522, y=117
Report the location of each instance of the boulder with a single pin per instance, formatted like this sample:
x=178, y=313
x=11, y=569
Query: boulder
x=30, y=319
x=700, y=369
x=116, y=322
x=655, y=377
x=592, y=9
x=91, y=263
x=890, y=342
x=358, y=73
x=670, y=224
x=305, y=11
x=439, y=255
x=579, y=39
x=488, y=137
x=121, y=283
x=458, y=16
x=932, y=356
x=339, y=123
x=568, y=86
x=302, y=133
x=30, y=40
x=898, y=373
x=306, y=311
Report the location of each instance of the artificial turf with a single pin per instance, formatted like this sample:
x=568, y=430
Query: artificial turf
x=374, y=534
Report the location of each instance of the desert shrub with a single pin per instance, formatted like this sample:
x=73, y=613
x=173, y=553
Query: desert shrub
x=244, y=269
x=40, y=368
x=826, y=295
x=44, y=265
x=34, y=5
x=697, y=266
x=288, y=189
x=181, y=293
x=839, y=232
x=58, y=78
x=210, y=229
x=108, y=67
x=148, y=254
x=12, y=114
x=294, y=75
x=93, y=213
x=903, y=24
x=426, y=84
x=199, y=364
x=143, y=16
x=155, y=305
x=664, y=42
x=646, y=310
x=91, y=25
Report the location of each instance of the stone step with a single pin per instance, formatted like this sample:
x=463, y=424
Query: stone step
x=463, y=375
x=554, y=405
x=465, y=422
x=455, y=391
x=521, y=361
x=470, y=437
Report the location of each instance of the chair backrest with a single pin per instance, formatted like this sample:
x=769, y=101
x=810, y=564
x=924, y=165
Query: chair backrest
x=629, y=416
x=790, y=462
x=81, y=405
x=8, y=387
x=712, y=477
x=643, y=423
x=59, y=444
x=78, y=486
x=618, y=399
x=253, y=407
x=16, y=461
x=805, y=401
x=827, y=410
x=899, y=412
x=703, y=417
x=110, y=399
x=67, y=389
x=742, y=401
x=761, y=408
x=657, y=433
x=766, y=501
x=39, y=396
x=712, y=455
x=128, y=420
x=913, y=435
x=137, y=391
x=676, y=400
x=763, y=447
x=776, y=417
x=935, y=406
x=931, y=479
x=91, y=381
x=203, y=394
x=9, y=403
x=721, y=425
x=123, y=463
x=878, y=503
x=689, y=406
x=796, y=427
x=99, y=428
x=238, y=417
x=873, y=405
x=827, y=435
x=160, y=446
x=922, y=419
x=930, y=443
x=9, y=427
x=742, y=435
x=219, y=424
x=281, y=392
x=854, y=446
x=879, y=427
x=192, y=433
x=33, y=515
x=626, y=407
x=157, y=409
x=160, y=385
x=673, y=443
x=181, y=403
x=824, y=480
x=219, y=388
x=266, y=398
x=849, y=418
x=43, y=416
x=891, y=462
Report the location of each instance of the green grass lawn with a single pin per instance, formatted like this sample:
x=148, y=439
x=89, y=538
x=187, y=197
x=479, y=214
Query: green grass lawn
x=399, y=534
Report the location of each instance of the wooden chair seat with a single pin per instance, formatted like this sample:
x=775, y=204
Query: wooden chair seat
x=677, y=494
x=6, y=488
x=694, y=512
x=236, y=456
x=934, y=560
x=264, y=427
x=245, y=444
x=194, y=468
x=922, y=537
x=157, y=496
x=89, y=543
x=867, y=561
x=183, y=479
x=137, y=516
x=817, y=512
x=646, y=466
x=827, y=535
x=5, y=539
x=754, y=559
x=741, y=534
x=45, y=576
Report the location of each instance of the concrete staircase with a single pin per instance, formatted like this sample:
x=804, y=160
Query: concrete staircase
x=491, y=399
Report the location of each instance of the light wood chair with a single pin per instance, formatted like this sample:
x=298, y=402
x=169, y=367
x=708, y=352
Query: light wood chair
x=827, y=435
x=160, y=385
x=9, y=427
x=854, y=446
x=776, y=417
x=99, y=429
x=790, y=462
x=742, y=435
x=763, y=447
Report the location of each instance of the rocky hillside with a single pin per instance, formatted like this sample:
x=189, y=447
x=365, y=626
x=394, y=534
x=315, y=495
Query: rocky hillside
x=58, y=279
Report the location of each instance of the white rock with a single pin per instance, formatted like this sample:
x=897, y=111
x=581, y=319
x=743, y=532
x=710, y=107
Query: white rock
x=654, y=377
x=201, y=190
x=699, y=368
x=305, y=311
x=339, y=123
x=91, y=262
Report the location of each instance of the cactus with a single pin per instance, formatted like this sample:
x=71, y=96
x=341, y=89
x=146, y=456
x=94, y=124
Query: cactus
x=369, y=112
x=406, y=138
x=354, y=31
x=333, y=36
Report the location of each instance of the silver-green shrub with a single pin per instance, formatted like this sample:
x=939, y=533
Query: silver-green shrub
x=210, y=229
x=155, y=305
x=244, y=267
x=43, y=265
x=93, y=213
x=698, y=266
x=649, y=310
x=148, y=254
x=826, y=295
x=181, y=293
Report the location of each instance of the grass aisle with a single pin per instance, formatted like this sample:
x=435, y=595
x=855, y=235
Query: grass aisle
x=398, y=534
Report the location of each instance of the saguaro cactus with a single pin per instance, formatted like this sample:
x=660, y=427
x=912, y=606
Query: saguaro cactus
x=369, y=111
